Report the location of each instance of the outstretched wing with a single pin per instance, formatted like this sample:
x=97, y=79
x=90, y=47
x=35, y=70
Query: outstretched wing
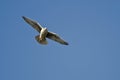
x=33, y=23
x=55, y=37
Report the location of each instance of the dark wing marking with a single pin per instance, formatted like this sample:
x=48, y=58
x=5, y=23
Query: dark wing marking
x=55, y=37
x=33, y=23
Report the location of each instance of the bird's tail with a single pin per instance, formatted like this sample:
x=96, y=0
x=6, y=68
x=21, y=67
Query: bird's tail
x=44, y=42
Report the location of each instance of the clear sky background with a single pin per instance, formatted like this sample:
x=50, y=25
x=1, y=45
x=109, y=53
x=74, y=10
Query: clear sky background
x=92, y=28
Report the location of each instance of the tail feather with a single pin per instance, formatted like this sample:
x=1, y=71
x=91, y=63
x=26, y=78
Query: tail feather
x=44, y=42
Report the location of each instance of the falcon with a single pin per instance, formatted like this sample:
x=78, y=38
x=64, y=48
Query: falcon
x=44, y=33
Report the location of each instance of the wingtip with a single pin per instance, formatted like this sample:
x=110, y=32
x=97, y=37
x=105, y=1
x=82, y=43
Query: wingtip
x=23, y=17
x=26, y=19
x=66, y=43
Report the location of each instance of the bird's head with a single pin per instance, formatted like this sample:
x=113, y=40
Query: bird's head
x=45, y=29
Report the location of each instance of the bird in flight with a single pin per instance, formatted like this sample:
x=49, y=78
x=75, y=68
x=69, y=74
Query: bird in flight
x=44, y=33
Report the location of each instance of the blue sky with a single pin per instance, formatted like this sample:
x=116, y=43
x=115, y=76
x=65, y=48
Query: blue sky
x=92, y=28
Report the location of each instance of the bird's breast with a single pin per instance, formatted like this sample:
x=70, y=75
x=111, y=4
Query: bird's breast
x=43, y=33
